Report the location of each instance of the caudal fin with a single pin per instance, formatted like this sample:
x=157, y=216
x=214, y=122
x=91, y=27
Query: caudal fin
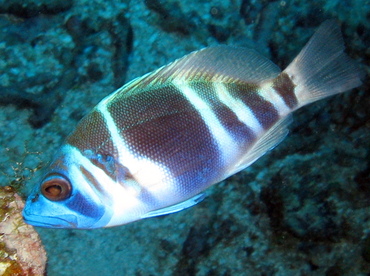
x=322, y=68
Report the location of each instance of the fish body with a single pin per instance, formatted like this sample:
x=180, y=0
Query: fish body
x=154, y=145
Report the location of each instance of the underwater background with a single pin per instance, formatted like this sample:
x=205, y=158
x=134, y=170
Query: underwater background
x=302, y=209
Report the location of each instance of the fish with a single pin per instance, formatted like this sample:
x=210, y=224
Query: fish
x=156, y=144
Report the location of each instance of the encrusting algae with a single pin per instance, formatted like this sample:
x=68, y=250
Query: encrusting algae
x=21, y=250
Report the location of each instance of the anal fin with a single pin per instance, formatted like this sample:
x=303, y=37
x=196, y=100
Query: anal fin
x=270, y=139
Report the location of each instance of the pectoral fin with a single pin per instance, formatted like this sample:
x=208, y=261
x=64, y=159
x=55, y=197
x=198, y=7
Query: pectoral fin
x=177, y=207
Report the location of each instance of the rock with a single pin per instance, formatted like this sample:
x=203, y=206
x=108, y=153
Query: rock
x=21, y=250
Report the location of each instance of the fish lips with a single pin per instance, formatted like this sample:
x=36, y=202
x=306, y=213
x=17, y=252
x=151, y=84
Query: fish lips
x=62, y=221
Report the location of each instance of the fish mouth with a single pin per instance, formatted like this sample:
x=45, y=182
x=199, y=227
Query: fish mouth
x=66, y=221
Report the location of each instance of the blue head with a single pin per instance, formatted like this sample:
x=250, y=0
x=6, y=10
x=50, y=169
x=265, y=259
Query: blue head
x=66, y=197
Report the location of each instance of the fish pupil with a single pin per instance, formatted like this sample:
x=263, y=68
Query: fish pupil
x=54, y=190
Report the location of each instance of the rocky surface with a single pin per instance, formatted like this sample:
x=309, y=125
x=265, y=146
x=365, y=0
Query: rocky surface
x=21, y=250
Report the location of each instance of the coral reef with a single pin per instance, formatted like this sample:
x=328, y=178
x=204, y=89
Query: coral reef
x=21, y=250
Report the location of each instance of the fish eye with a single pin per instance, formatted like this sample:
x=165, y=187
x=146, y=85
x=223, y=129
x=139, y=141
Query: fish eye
x=56, y=188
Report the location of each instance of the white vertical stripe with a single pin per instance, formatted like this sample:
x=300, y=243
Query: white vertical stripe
x=241, y=110
x=124, y=154
x=77, y=160
x=145, y=171
x=220, y=135
x=122, y=202
x=269, y=94
x=154, y=177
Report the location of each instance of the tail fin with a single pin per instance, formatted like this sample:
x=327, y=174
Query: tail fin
x=322, y=68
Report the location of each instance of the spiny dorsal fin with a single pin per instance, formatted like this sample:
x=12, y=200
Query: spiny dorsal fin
x=219, y=63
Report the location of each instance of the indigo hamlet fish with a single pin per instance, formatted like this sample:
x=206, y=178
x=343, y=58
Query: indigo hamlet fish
x=154, y=145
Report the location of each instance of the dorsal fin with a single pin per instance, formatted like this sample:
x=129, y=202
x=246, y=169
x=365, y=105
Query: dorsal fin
x=219, y=63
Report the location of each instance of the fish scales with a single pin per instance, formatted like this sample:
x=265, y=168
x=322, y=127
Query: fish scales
x=153, y=146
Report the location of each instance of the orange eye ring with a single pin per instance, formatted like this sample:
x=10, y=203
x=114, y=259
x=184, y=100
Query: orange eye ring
x=56, y=188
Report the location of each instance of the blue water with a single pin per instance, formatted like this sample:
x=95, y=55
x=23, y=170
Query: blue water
x=303, y=209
